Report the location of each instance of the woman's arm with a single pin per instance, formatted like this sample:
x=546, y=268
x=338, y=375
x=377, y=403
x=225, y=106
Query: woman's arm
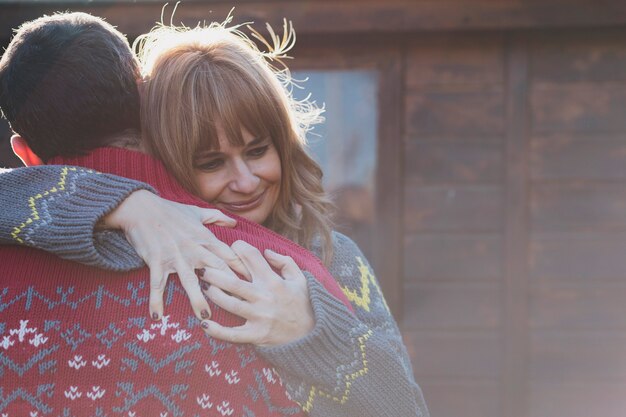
x=350, y=365
x=55, y=208
x=335, y=363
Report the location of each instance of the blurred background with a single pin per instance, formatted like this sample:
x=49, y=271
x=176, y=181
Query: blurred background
x=477, y=151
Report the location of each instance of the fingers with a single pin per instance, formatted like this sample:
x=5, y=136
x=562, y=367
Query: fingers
x=189, y=281
x=223, y=251
x=157, y=286
x=227, y=281
x=252, y=260
x=208, y=239
x=240, y=334
x=238, y=266
x=288, y=268
x=229, y=303
x=218, y=257
x=202, y=256
x=213, y=216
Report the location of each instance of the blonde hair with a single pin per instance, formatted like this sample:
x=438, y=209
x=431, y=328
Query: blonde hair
x=197, y=78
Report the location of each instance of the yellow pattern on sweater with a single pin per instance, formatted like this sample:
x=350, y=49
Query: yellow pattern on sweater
x=32, y=201
x=348, y=379
x=361, y=297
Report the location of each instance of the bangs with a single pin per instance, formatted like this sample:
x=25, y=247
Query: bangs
x=222, y=95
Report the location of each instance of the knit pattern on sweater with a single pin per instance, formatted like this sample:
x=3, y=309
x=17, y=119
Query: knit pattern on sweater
x=78, y=343
x=350, y=365
x=80, y=315
x=55, y=208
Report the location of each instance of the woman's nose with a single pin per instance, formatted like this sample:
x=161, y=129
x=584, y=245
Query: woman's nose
x=244, y=180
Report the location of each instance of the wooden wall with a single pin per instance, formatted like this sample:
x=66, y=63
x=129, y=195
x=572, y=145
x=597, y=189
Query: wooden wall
x=454, y=218
x=577, y=253
x=515, y=215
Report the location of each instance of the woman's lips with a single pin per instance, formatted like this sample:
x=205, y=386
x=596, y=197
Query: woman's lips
x=244, y=205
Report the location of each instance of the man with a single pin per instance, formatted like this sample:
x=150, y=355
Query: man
x=74, y=340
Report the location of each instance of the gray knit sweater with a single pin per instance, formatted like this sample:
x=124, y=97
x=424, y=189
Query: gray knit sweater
x=349, y=365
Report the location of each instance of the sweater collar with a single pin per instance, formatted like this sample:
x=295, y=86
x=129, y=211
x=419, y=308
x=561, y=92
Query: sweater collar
x=134, y=165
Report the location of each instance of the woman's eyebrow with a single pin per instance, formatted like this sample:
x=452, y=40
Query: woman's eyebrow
x=210, y=154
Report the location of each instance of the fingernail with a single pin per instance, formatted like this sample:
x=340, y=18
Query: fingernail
x=199, y=272
x=205, y=314
x=155, y=316
x=204, y=286
x=204, y=325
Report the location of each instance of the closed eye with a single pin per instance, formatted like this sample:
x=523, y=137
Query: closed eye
x=211, y=165
x=258, y=151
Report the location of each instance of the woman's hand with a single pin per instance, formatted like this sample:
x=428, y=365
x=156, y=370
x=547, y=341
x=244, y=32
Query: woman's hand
x=170, y=238
x=277, y=307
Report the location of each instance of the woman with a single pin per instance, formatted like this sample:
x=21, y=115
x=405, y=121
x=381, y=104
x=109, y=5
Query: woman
x=223, y=122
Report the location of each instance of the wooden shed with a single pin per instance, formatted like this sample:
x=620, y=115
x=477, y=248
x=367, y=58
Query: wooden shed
x=494, y=208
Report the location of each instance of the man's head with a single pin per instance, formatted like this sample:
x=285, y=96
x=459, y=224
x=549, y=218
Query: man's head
x=68, y=83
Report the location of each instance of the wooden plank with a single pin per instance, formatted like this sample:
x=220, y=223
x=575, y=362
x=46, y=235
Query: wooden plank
x=454, y=355
x=322, y=53
x=580, y=107
x=579, y=307
x=516, y=227
x=389, y=177
x=581, y=399
x=455, y=114
x=465, y=208
x=366, y=16
x=575, y=357
x=436, y=306
x=435, y=164
x=464, y=258
x=579, y=206
x=574, y=56
x=467, y=399
x=578, y=257
x=448, y=61
x=588, y=156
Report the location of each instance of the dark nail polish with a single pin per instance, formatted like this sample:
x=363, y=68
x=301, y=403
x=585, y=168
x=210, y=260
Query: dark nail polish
x=205, y=314
x=199, y=272
x=204, y=286
x=155, y=316
x=204, y=325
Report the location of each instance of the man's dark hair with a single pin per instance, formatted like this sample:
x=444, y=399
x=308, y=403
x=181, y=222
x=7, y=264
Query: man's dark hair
x=67, y=83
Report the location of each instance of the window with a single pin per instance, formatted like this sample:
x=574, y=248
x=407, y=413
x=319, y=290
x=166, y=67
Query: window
x=345, y=144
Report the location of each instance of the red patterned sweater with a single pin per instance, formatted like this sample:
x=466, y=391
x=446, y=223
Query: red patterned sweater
x=76, y=341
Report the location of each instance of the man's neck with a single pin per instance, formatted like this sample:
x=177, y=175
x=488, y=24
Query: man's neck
x=128, y=139
x=135, y=165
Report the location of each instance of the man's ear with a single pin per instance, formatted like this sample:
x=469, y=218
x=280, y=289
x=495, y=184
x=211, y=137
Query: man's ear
x=24, y=152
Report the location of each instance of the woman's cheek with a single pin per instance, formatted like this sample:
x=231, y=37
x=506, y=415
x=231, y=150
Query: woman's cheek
x=209, y=186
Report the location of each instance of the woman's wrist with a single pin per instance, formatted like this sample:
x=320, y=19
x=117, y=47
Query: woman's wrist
x=122, y=217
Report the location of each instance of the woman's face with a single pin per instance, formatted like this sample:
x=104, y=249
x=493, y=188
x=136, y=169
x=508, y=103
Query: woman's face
x=242, y=180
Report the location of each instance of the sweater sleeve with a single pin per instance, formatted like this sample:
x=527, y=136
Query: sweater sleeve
x=350, y=364
x=55, y=208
